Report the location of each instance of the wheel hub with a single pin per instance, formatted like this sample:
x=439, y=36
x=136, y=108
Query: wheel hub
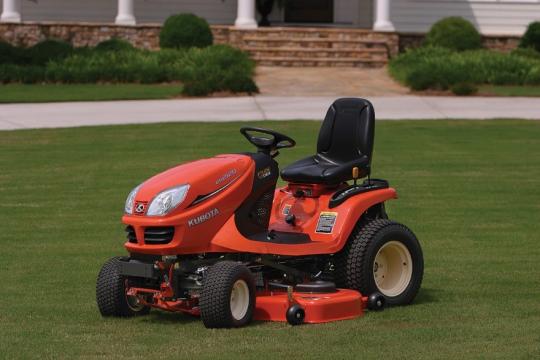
x=239, y=299
x=392, y=268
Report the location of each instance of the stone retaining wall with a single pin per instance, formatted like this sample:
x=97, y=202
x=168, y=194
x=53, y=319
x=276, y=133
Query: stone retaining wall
x=80, y=34
x=147, y=36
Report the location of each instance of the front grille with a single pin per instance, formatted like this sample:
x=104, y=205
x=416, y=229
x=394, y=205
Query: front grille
x=158, y=235
x=132, y=238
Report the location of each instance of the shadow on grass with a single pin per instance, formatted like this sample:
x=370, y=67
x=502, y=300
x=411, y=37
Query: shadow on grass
x=428, y=295
x=157, y=316
x=161, y=317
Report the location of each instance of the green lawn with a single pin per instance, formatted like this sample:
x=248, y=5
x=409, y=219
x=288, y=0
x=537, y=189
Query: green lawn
x=470, y=191
x=19, y=93
x=501, y=90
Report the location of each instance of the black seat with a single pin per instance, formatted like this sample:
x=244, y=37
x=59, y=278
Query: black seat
x=345, y=141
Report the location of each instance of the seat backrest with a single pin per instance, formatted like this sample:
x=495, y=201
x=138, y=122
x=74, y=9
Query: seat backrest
x=347, y=131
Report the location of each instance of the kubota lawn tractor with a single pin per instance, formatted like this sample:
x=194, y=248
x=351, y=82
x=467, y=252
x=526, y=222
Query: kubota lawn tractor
x=215, y=238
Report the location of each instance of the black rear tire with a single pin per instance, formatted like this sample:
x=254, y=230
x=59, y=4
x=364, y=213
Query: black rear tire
x=356, y=268
x=215, y=300
x=111, y=293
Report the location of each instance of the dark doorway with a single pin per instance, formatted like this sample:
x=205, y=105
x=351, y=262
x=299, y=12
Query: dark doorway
x=309, y=11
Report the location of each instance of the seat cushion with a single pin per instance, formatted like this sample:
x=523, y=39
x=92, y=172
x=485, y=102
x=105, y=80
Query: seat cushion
x=318, y=170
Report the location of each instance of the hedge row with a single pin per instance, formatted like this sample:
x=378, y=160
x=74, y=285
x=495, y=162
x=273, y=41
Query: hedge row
x=440, y=69
x=38, y=55
x=452, y=58
x=187, y=55
x=202, y=71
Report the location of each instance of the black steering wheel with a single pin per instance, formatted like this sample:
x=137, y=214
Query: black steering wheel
x=267, y=144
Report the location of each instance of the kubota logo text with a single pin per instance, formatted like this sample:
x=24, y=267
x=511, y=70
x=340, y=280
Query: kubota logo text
x=204, y=217
x=226, y=176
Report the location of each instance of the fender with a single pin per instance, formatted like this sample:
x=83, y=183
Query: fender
x=356, y=206
x=311, y=213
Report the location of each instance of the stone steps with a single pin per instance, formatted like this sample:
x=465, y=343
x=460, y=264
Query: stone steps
x=323, y=33
x=317, y=61
x=321, y=43
x=330, y=53
x=279, y=52
x=299, y=46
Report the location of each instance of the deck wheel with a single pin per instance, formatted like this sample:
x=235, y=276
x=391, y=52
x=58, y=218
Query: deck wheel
x=295, y=315
x=376, y=301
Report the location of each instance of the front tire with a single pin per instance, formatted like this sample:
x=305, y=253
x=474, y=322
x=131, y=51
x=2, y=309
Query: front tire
x=111, y=293
x=383, y=256
x=228, y=296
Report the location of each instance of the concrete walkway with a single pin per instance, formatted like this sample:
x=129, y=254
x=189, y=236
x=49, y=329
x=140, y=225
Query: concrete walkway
x=326, y=81
x=50, y=115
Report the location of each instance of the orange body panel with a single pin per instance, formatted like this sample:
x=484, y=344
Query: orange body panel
x=231, y=176
x=341, y=305
x=307, y=211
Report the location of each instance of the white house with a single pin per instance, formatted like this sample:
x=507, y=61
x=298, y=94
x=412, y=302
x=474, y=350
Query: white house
x=491, y=17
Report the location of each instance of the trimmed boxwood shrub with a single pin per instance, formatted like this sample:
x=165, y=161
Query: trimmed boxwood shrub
x=185, y=31
x=454, y=33
x=531, y=38
x=217, y=68
x=47, y=50
x=114, y=44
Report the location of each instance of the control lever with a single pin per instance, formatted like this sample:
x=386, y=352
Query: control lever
x=290, y=219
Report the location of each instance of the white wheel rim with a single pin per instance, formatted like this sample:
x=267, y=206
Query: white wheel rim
x=239, y=299
x=392, y=268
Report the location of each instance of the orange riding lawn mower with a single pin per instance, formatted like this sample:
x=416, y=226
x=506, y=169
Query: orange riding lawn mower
x=214, y=237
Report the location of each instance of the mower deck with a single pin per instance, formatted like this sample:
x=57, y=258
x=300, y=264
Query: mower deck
x=343, y=304
x=272, y=305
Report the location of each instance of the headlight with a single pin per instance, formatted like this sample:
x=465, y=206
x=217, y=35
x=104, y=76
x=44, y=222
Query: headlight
x=167, y=200
x=130, y=200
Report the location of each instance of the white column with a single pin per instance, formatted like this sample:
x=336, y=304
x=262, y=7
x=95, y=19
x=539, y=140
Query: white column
x=245, y=18
x=126, y=13
x=11, y=11
x=382, y=16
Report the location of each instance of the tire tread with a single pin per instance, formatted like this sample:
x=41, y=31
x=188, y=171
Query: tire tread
x=352, y=265
x=214, y=301
x=110, y=291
